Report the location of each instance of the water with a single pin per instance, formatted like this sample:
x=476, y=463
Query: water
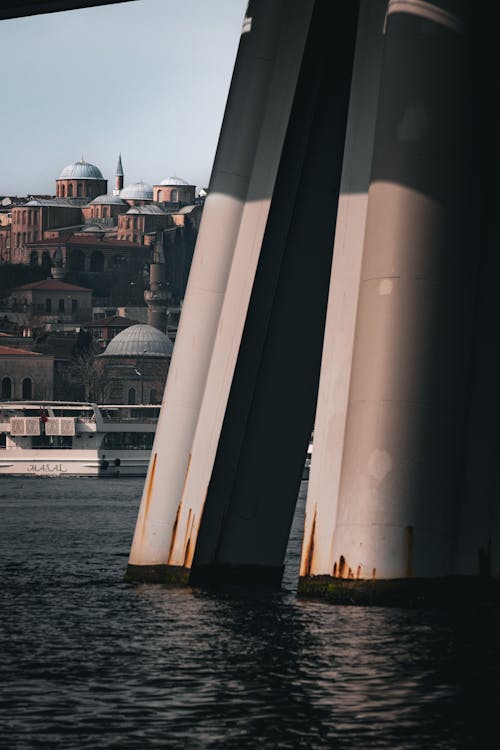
x=88, y=661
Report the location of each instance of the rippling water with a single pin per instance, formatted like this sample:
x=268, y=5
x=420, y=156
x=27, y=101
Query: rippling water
x=88, y=661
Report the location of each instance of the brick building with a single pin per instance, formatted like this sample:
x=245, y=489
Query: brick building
x=86, y=230
x=25, y=375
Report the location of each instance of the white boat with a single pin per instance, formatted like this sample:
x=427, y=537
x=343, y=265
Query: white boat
x=51, y=439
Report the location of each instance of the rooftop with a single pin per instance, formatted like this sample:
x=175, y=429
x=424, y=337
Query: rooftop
x=53, y=285
x=11, y=351
x=151, y=209
x=139, y=341
x=137, y=191
x=171, y=181
x=81, y=170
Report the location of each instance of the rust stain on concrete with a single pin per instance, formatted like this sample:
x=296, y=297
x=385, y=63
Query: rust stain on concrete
x=149, y=491
x=309, y=554
x=342, y=566
x=174, y=532
x=187, y=554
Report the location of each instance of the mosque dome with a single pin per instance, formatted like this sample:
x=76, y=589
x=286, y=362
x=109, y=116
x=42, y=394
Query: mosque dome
x=107, y=200
x=137, y=341
x=81, y=170
x=173, y=181
x=140, y=191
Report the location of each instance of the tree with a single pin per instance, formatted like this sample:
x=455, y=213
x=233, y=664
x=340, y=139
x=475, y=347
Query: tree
x=87, y=370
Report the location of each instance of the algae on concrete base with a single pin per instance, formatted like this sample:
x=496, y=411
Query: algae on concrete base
x=449, y=591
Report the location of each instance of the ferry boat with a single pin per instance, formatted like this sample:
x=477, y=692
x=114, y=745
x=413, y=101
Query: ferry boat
x=52, y=439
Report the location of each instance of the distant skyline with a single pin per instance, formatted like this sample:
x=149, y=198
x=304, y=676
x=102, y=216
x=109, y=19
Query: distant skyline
x=147, y=79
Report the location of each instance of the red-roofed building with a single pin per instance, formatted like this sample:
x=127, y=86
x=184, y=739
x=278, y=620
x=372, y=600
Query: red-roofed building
x=52, y=299
x=25, y=375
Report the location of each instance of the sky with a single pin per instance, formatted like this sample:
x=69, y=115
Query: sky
x=147, y=79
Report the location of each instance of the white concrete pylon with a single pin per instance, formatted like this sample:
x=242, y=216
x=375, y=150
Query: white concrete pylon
x=397, y=500
x=324, y=476
x=245, y=168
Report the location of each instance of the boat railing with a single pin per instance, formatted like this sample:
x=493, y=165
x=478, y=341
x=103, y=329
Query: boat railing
x=128, y=420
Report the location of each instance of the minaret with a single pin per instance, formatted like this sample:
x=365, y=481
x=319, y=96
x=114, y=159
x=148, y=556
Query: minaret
x=119, y=176
x=157, y=296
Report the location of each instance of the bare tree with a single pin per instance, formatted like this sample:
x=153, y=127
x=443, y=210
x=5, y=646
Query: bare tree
x=87, y=371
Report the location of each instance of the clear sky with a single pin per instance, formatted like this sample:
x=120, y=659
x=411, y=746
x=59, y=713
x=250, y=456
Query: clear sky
x=147, y=78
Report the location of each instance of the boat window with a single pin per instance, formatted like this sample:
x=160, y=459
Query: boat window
x=128, y=440
x=68, y=412
x=51, y=441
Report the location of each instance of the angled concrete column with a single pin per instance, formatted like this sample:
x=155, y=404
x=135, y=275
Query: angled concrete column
x=398, y=495
x=258, y=407
x=329, y=427
x=247, y=158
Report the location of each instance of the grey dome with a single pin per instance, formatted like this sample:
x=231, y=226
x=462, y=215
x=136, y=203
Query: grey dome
x=174, y=181
x=139, y=340
x=107, y=200
x=142, y=191
x=81, y=170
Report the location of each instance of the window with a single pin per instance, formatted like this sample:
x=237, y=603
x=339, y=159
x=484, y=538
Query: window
x=60, y=307
x=97, y=261
x=77, y=260
x=131, y=396
x=79, y=189
x=70, y=190
x=74, y=305
x=46, y=261
x=6, y=388
x=27, y=389
x=51, y=441
x=63, y=191
x=48, y=305
x=128, y=441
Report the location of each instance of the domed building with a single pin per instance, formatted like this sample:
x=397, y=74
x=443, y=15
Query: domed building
x=135, y=365
x=137, y=194
x=108, y=206
x=81, y=180
x=88, y=233
x=174, y=190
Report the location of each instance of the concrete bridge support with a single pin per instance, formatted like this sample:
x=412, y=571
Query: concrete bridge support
x=329, y=427
x=243, y=176
x=396, y=511
x=232, y=516
x=356, y=144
